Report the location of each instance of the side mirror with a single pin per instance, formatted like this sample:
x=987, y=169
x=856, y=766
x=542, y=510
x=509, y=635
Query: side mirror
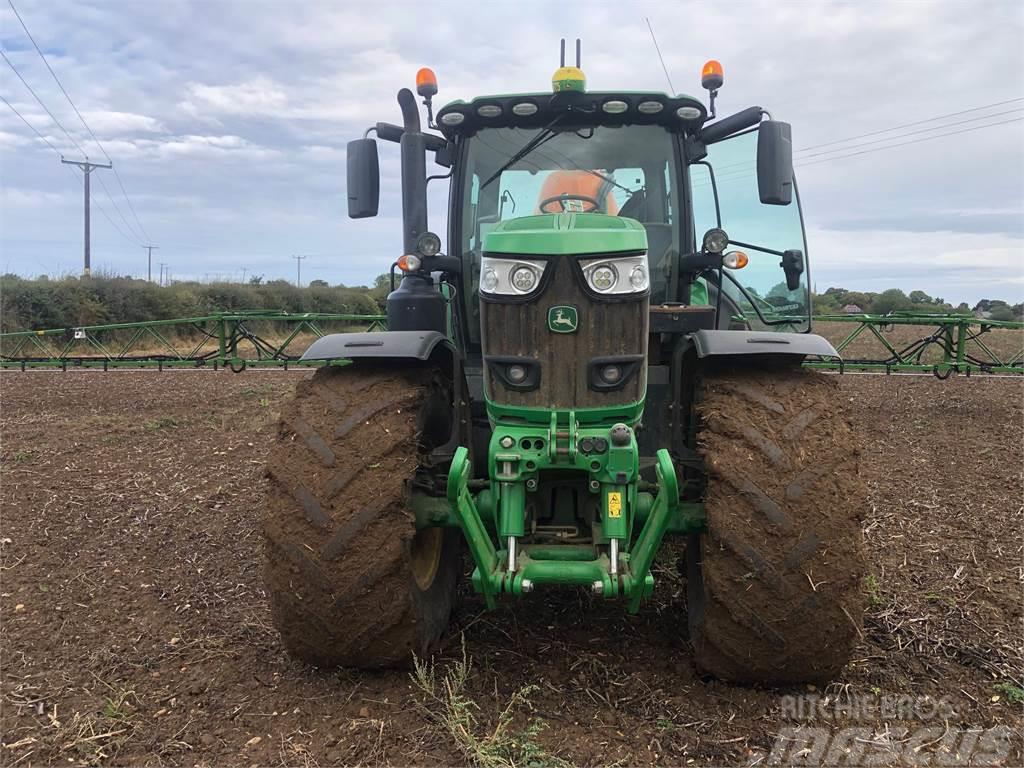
x=363, y=170
x=793, y=265
x=775, y=163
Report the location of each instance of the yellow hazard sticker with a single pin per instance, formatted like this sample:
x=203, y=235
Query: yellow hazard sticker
x=614, y=504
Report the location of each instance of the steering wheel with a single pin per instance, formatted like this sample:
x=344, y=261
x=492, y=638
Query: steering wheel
x=594, y=204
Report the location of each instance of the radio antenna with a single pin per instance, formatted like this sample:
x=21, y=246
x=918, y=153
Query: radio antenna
x=671, y=88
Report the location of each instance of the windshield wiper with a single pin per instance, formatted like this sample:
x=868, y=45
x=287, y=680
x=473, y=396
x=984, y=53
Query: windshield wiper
x=544, y=135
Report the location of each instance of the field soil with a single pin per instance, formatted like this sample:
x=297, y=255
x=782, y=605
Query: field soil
x=134, y=627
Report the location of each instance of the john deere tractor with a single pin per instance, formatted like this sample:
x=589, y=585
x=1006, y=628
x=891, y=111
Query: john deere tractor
x=606, y=351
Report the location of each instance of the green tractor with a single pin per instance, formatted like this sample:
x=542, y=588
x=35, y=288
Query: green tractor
x=595, y=362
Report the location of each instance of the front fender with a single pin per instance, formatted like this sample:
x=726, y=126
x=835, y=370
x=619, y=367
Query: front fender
x=743, y=343
x=416, y=345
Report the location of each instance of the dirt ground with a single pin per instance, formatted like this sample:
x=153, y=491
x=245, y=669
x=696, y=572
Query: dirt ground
x=134, y=627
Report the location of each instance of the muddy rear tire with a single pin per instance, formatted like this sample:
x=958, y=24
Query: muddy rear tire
x=350, y=581
x=774, y=585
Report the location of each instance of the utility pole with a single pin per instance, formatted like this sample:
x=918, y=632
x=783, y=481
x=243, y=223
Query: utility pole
x=162, y=265
x=149, y=261
x=87, y=169
x=298, y=270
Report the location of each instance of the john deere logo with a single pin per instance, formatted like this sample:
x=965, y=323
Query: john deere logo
x=563, y=319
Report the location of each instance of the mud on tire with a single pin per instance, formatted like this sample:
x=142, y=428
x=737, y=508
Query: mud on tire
x=774, y=585
x=350, y=581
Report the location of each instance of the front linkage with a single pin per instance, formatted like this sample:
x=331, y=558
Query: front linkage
x=620, y=566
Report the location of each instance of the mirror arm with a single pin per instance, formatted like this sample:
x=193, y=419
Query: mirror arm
x=727, y=126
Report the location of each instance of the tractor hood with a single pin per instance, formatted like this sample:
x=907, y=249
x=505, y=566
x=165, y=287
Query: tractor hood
x=565, y=234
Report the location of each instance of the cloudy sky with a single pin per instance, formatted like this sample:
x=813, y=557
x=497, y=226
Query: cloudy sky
x=227, y=122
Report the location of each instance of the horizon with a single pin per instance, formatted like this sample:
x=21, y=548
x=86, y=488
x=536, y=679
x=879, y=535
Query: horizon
x=100, y=274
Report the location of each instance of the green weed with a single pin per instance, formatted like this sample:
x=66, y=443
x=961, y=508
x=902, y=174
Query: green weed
x=1013, y=693
x=873, y=589
x=114, y=707
x=448, y=705
x=262, y=389
x=159, y=423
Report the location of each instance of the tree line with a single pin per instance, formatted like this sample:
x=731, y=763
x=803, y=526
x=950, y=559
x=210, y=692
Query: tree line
x=41, y=302
x=70, y=302
x=836, y=301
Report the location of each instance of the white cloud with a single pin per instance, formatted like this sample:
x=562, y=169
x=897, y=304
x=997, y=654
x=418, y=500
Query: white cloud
x=31, y=198
x=106, y=123
x=260, y=96
x=965, y=266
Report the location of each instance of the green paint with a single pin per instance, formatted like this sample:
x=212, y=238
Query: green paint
x=518, y=455
x=555, y=234
x=629, y=413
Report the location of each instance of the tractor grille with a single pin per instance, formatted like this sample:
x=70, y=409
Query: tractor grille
x=608, y=331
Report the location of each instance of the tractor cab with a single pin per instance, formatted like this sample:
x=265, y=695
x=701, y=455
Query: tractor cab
x=640, y=156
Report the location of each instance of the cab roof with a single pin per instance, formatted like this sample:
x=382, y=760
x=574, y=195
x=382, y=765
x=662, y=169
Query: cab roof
x=536, y=110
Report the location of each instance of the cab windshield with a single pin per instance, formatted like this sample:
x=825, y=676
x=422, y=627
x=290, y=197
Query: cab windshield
x=619, y=170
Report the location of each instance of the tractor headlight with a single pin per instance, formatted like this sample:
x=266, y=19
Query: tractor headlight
x=605, y=276
x=715, y=240
x=428, y=244
x=611, y=374
x=517, y=375
x=638, y=277
x=488, y=280
x=524, y=279
x=510, y=277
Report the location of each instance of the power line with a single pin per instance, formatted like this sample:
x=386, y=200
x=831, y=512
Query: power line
x=60, y=157
x=127, y=223
x=41, y=104
x=87, y=169
x=912, y=133
x=26, y=122
x=87, y=128
x=298, y=270
x=738, y=173
x=129, y=200
x=750, y=164
x=747, y=163
x=672, y=88
x=149, y=261
x=910, y=125
x=72, y=140
x=915, y=141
